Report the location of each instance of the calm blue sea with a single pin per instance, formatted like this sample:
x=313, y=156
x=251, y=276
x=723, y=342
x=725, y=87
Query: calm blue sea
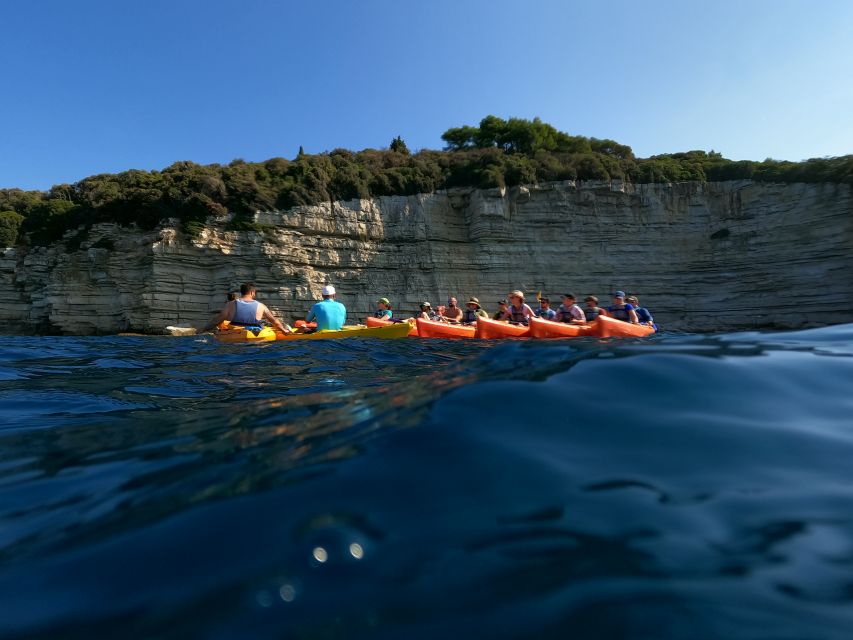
x=683, y=486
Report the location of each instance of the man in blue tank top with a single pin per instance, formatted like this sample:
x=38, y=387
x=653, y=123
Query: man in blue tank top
x=246, y=311
x=329, y=314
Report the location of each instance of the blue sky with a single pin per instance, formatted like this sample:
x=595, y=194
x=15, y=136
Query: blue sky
x=102, y=86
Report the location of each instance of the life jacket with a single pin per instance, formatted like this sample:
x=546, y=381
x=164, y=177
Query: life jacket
x=621, y=312
x=501, y=315
x=518, y=316
x=245, y=313
x=591, y=314
x=564, y=313
x=382, y=313
x=469, y=316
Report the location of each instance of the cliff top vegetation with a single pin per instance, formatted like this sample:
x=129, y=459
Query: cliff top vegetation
x=496, y=153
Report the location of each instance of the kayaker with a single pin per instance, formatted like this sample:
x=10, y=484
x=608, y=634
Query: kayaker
x=383, y=309
x=592, y=310
x=329, y=313
x=569, y=311
x=427, y=313
x=502, y=312
x=545, y=311
x=245, y=311
x=473, y=310
x=452, y=313
x=519, y=312
x=621, y=310
x=643, y=314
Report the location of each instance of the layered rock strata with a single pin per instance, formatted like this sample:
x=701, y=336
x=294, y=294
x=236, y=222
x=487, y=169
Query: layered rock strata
x=702, y=256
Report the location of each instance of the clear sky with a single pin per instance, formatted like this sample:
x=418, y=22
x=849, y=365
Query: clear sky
x=97, y=86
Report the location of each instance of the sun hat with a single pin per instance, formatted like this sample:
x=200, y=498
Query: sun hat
x=473, y=301
x=571, y=296
x=619, y=294
x=328, y=290
x=426, y=304
x=544, y=299
x=385, y=301
x=503, y=302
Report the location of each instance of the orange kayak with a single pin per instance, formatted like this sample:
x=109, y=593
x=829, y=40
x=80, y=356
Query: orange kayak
x=379, y=322
x=605, y=327
x=493, y=329
x=540, y=328
x=432, y=329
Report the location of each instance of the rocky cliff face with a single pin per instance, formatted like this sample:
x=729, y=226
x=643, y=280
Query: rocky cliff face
x=716, y=256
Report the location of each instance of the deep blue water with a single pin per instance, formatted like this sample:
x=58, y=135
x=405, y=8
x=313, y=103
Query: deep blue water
x=683, y=486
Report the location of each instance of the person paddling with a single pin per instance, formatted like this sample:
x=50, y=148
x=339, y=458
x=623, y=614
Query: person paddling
x=569, y=311
x=383, y=309
x=503, y=311
x=473, y=311
x=452, y=313
x=592, y=310
x=519, y=312
x=427, y=313
x=621, y=310
x=545, y=311
x=329, y=314
x=245, y=311
x=643, y=314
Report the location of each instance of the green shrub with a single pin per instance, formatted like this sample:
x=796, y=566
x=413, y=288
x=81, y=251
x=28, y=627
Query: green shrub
x=10, y=222
x=495, y=153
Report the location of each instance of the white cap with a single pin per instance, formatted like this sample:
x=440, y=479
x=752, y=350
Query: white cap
x=328, y=290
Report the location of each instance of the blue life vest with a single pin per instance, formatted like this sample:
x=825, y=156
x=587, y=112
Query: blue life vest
x=548, y=314
x=591, y=314
x=621, y=313
x=383, y=313
x=245, y=313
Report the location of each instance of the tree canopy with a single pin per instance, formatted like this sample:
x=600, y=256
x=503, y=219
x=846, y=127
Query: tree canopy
x=496, y=153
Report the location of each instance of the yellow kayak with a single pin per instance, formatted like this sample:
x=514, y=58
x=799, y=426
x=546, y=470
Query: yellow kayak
x=399, y=330
x=233, y=334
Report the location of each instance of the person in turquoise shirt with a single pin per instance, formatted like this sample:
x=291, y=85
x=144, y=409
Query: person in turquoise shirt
x=329, y=313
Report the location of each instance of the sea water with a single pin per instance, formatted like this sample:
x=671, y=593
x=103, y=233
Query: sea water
x=682, y=486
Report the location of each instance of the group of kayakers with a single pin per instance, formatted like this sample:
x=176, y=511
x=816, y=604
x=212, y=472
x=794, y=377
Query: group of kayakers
x=329, y=314
x=244, y=310
x=513, y=309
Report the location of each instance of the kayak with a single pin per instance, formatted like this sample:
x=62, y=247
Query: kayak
x=380, y=322
x=230, y=335
x=391, y=331
x=540, y=328
x=492, y=329
x=433, y=329
x=605, y=327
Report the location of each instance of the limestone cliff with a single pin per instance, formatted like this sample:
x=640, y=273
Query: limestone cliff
x=715, y=256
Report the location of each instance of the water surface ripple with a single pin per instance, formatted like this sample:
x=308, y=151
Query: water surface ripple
x=684, y=486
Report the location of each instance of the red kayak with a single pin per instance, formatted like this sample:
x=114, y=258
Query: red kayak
x=380, y=322
x=540, y=328
x=605, y=327
x=432, y=329
x=495, y=329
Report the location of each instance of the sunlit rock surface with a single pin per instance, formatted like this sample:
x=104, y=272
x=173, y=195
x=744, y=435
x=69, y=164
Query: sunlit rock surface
x=715, y=256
